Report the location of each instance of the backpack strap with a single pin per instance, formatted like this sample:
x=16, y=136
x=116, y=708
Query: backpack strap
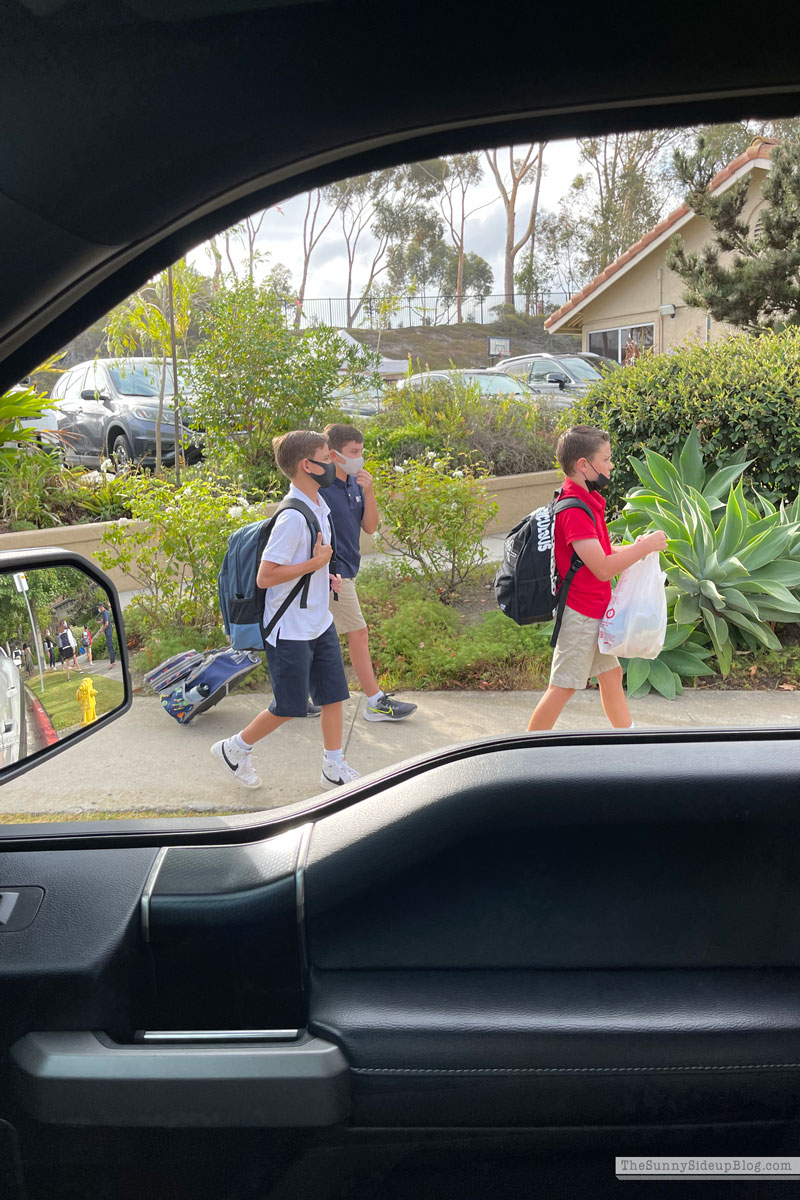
x=303, y=584
x=575, y=565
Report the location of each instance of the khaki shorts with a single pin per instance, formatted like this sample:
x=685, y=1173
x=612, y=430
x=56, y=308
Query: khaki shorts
x=576, y=657
x=347, y=615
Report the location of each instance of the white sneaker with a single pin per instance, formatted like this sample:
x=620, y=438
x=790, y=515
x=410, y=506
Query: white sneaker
x=335, y=774
x=237, y=763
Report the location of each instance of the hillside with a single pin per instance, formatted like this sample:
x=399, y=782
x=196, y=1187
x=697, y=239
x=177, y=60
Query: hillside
x=464, y=345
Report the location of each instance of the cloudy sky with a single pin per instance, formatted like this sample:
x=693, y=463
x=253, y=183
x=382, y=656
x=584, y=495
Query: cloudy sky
x=281, y=232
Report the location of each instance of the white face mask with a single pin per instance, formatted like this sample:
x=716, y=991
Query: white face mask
x=351, y=465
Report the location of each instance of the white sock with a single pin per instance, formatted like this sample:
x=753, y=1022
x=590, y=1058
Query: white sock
x=374, y=699
x=334, y=757
x=240, y=743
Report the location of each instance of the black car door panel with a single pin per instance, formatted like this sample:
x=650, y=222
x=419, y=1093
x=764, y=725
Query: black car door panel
x=471, y=945
x=80, y=964
x=532, y=953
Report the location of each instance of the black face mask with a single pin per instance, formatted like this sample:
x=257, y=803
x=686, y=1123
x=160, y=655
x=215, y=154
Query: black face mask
x=328, y=473
x=600, y=483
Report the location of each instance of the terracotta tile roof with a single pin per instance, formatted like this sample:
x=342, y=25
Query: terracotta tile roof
x=759, y=148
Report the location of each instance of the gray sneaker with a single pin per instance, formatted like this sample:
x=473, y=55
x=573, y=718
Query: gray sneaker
x=386, y=708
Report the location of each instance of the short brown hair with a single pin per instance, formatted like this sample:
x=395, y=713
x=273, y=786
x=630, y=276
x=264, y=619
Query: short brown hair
x=579, y=441
x=291, y=448
x=340, y=435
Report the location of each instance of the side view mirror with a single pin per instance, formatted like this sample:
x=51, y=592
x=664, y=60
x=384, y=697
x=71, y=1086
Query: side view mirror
x=98, y=396
x=557, y=377
x=50, y=696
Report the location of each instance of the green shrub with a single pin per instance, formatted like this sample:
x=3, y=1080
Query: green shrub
x=505, y=435
x=418, y=642
x=433, y=515
x=176, y=556
x=742, y=394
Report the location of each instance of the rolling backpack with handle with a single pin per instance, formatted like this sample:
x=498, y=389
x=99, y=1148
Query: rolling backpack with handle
x=526, y=585
x=208, y=683
x=166, y=675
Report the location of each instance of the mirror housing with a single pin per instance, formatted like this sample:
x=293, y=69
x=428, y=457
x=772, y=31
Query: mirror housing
x=557, y=377
x=100, y=397
x=42, y=590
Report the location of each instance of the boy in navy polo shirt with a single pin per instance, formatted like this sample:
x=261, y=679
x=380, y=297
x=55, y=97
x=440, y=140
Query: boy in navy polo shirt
x=584, y=454
x=353, y=507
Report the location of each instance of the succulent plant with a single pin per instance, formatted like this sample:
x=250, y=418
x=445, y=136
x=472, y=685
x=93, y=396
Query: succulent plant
x=732, y=564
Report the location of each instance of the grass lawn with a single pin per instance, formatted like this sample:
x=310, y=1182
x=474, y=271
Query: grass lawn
x=59, y=696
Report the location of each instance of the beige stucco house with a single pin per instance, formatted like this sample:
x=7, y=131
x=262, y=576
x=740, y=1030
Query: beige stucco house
x=638, y=297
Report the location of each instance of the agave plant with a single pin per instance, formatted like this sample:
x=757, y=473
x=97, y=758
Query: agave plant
x=733, y=564
x=683, y=656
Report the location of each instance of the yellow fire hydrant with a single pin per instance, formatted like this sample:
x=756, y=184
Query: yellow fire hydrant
x=85, y=696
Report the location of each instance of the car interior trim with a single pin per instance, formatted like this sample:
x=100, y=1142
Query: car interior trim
x=300, y=886
x=86, y=1078
x=147, y=891
x=178, y=1036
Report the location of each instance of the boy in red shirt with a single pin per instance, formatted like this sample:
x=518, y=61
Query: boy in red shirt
x=584, y=454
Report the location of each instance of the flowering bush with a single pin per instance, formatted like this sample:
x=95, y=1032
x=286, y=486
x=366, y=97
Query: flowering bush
x=433, y=516
x=176, y=552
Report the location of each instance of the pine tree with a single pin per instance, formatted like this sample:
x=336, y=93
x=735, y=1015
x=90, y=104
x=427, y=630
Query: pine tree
x=757, y=285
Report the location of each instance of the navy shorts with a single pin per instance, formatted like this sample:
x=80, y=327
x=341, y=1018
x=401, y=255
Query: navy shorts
x=297, y=668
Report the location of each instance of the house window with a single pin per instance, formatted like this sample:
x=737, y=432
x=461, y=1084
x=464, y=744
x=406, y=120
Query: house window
x=611, y=343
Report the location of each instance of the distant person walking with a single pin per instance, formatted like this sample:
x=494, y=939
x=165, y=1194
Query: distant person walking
x=26, y=650
x=105, y=627
x=50, y=649
x=86, y=642
x=67, y=647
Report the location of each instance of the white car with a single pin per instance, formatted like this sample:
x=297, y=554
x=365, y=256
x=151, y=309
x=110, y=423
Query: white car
x=491, y=382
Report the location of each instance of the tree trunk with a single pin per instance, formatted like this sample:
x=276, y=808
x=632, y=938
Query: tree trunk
x=301, y=294
x=160, y=415
x=175, y=401
x=508, y=259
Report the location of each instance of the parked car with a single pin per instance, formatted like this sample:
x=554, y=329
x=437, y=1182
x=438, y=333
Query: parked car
x=12, y=709
x=561, y=376
x=360, y=402
x=44, y=427
x=491, y=382
x=107, y=408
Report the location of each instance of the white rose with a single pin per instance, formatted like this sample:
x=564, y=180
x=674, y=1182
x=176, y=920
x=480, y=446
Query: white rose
x=458, y=474
x=400, y=470
x=235, y=511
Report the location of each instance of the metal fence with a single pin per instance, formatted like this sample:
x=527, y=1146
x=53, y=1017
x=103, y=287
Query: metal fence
x=408, y=312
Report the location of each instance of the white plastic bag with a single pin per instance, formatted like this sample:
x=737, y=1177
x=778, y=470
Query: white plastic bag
x=635, y=623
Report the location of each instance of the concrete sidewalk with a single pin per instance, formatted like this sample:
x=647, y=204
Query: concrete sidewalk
x=146, y=760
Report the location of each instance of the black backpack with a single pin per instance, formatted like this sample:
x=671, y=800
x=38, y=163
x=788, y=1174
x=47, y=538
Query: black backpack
x=526, y=584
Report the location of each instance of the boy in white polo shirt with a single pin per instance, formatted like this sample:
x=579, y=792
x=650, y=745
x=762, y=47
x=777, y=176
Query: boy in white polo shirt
x=303, y=652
